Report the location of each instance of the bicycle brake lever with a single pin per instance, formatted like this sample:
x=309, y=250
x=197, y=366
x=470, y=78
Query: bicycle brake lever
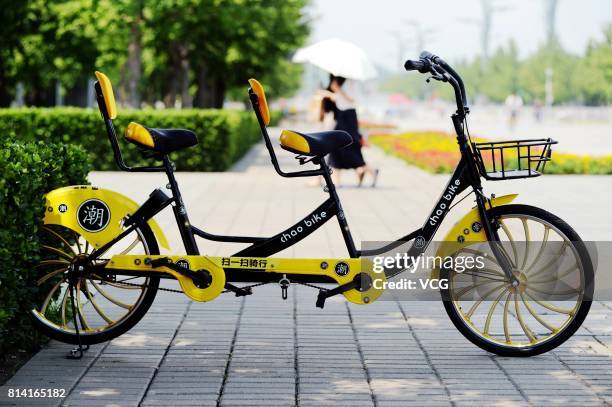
x=436, y=77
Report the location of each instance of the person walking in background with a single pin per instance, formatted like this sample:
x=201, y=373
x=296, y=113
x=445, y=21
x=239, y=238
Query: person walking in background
x=538, y=110
x=513, y=103
x=337, y=102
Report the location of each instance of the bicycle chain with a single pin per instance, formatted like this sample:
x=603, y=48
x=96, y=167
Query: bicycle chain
x=223, y=292
x=176, y=291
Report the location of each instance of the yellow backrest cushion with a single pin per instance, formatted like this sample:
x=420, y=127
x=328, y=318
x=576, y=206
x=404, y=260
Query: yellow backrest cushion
x=263, y=103
x=107, y=92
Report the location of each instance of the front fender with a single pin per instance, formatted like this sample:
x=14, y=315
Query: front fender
x=94, y=213
x=457, y=238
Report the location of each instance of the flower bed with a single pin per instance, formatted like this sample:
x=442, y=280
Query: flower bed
x=437, y=152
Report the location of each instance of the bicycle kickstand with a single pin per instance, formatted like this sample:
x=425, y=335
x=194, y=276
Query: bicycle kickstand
x=77, y=352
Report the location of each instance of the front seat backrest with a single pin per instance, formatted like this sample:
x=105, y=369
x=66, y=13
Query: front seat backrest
x=261, y=99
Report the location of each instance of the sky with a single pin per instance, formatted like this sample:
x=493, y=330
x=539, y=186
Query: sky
x=374, y=25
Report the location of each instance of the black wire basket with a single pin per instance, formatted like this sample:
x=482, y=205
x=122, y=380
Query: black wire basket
x=501, y=160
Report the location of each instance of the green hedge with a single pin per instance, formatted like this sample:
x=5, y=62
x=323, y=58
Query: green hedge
x=28, y=170
x=224, y=135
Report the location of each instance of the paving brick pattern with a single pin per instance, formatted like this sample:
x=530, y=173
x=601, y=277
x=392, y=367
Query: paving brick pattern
x=263, y=351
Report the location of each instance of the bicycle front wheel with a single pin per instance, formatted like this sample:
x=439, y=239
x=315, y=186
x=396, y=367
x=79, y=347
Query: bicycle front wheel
x=553, y=295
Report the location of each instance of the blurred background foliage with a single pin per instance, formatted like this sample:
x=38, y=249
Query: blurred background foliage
x=190, y=53
x=585, y=79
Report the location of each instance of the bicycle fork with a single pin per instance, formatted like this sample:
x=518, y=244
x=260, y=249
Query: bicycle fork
x=494, y=241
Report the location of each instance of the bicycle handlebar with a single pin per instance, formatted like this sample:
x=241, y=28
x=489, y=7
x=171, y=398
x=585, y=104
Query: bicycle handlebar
x=435, y=65
x=420, y=66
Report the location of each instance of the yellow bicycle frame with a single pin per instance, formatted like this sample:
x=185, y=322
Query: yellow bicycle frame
x=216, y=265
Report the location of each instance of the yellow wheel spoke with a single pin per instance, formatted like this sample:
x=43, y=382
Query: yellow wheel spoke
x=123, y=286
x=43, y=263
x=109, y=297
x=491, y=271
x=132, y=245
x=95, y=305
x=57, y=251
x=484, y=276
x=477, y=303
x=552, y=307
x=50, y=275
x=540, y=251
x=555, y=278
x=473, y=287
x=526, y=329
x=490, y=314
x=557, y=292
x=57, y=235
x=527, y=241
x=535, y=314
x=76, y=239
x=506, y=330
x=552, y=261
x=43, y=309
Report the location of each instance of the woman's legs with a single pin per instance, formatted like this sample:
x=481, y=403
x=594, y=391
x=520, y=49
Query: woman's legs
x=366, y=169
x=336, y=176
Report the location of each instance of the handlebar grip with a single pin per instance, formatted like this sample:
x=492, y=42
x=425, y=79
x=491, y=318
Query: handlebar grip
x=429, y=56
x=416, y=66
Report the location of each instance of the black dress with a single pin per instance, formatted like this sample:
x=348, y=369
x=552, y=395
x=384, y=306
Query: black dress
x=350, y=156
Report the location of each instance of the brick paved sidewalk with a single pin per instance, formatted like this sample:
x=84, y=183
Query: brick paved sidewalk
x=263, y=351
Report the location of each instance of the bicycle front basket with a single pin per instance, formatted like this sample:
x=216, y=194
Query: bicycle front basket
x=500, y=160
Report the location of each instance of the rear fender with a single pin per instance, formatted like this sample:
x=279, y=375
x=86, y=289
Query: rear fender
x=94, y=213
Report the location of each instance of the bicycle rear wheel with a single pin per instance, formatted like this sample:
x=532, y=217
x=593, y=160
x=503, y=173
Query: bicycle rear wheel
x=552, y=299
x=105, y=309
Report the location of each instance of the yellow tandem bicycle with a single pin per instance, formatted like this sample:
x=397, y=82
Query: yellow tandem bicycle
x=101, y=264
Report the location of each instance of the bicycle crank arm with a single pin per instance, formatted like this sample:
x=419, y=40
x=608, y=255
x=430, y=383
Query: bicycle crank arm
x=199, y=278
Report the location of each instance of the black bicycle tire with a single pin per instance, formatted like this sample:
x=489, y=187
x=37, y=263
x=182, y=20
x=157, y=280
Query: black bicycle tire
x=570, y=329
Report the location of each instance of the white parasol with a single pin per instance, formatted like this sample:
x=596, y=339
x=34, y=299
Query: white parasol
x=338, y=57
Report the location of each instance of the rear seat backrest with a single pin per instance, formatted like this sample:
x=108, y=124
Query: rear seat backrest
x=109, y=96
x=261, y=98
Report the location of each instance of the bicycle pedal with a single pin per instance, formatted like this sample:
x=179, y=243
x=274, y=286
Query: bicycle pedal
x=239, y=291
x=162, y=261
x=321, y=299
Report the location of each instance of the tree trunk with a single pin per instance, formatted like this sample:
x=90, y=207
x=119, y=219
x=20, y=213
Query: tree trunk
x=186, y=99
x=39, y=96
x=171, y=85
x=211, y=90
x=77, y=95
x=135, y=58
x=5, y=94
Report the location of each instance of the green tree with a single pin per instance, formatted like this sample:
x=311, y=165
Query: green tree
x=593, y=76
x=47, y=42
x=501, y=74
x=221, y=43
x=16, y=20
x=532, y=74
